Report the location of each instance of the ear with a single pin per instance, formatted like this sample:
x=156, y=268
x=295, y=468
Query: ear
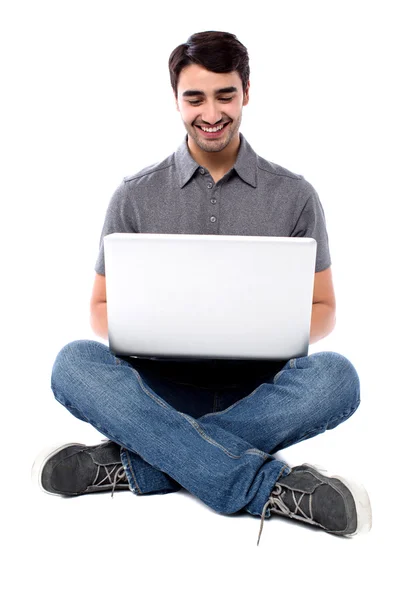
x=246, y=94
x=176, y=103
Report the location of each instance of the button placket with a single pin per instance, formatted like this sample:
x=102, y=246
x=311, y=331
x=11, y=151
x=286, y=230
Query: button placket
x=213, y=201
x=213, y=214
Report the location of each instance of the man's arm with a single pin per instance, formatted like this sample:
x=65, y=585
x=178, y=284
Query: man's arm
x=98, y=307
x=323, y=317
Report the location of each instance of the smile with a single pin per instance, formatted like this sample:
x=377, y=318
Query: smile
x=212, y=130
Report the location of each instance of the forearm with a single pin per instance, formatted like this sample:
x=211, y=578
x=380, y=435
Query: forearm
x=323, y=321
x=98, y=319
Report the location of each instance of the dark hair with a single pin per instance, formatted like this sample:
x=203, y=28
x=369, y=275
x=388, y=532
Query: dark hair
x=216, y=51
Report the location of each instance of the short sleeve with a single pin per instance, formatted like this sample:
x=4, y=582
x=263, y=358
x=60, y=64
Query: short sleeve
x=311, y=223
x=119, y=219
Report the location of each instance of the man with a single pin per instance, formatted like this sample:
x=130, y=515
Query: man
x=211, y=426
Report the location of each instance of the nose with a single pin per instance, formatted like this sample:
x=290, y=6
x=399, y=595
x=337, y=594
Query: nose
x=211, y=114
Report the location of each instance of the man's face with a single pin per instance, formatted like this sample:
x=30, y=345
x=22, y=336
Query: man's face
x=207, y=99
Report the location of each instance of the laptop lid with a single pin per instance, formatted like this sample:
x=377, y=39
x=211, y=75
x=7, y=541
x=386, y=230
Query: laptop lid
x=209, y=296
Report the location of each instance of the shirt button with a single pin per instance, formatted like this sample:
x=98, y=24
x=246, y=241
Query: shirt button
x=209, y=185
x=202, y=171
x=213, y=201
x=213, y=219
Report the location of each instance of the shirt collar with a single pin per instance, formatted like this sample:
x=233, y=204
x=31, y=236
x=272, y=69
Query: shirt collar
x=245, y=165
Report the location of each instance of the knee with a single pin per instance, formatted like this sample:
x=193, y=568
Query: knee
x=72, y=358
x=339, y=379
x=74, y=351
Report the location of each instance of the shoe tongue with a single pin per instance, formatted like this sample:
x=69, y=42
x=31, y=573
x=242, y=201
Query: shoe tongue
x=300, y=482
x=105, y=476
x=106, y=454
x=299, y=504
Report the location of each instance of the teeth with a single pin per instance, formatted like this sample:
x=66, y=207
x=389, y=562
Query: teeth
x=213, y=130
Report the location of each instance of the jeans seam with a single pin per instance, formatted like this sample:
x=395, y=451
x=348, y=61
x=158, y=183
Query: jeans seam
x=277, y=376
x=195, y=425
x=292, y=365
x=200, y=431
x=268, y=512
x=139, y=491
x=221, y=412
x=148, y=393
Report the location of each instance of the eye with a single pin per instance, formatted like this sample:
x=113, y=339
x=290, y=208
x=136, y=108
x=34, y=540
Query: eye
x=197, y=102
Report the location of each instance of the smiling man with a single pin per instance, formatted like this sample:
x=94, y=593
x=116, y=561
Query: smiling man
x=211, y=426
x=212, y=115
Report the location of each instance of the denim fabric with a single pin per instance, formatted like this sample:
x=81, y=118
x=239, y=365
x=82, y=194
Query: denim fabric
x=217, y=443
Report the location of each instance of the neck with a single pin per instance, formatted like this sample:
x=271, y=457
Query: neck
x=216, y=162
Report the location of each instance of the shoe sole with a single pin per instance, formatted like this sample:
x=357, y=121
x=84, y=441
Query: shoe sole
x=361, y=500
x=41, y=460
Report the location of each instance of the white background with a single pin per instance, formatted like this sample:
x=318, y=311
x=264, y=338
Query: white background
x=86, y=100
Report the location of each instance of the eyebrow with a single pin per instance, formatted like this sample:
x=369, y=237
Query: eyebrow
x=226, y=90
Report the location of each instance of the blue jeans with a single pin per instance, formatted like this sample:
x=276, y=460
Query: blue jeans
x=217, y=443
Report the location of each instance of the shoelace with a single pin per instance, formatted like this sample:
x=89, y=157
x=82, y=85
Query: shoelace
x=273, y=502
x=113, y=476
x=276, y=501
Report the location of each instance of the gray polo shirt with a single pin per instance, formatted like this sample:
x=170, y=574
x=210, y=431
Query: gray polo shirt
x=256, y=197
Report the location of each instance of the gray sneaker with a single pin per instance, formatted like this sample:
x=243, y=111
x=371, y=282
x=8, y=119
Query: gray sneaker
x=76, y=469
x=332, y=503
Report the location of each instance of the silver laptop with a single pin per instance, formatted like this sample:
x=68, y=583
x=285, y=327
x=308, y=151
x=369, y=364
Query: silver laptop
x=209, y=296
